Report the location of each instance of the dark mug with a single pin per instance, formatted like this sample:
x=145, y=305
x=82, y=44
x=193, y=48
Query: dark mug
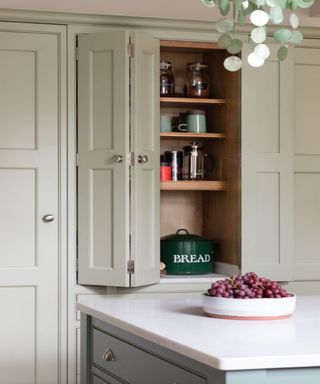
x=181, y=128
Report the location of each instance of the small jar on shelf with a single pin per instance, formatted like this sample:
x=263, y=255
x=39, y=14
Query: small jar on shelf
x=197, y=80
x=165, y=171
x=166, y=79
x=175, y=160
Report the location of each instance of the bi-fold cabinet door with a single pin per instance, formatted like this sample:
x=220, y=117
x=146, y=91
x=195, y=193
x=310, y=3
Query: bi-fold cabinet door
x=118, y=153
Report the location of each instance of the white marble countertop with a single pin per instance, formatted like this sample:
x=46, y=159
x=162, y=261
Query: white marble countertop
x=180, y=325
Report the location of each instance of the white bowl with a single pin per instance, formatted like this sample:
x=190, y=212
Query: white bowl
x=248, y=309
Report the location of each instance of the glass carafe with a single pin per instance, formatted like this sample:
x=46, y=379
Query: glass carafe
x=196, y=164
x=193, y=163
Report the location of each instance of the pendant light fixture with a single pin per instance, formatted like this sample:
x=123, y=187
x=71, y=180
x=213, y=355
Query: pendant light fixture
x=260, y=13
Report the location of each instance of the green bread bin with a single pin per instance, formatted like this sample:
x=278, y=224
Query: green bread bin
x=186, y=254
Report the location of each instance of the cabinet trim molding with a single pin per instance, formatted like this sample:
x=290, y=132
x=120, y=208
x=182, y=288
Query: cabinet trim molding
x=127, y=21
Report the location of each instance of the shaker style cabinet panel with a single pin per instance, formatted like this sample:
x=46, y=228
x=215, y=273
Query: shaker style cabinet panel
x=144, y=137
x=103, y=169
x=118, y=198
x=307, y=161
x=267, y=168
x=31, y=199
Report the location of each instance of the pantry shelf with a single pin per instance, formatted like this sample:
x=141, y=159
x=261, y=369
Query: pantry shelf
x=192, y=135
x=177, y=101
x=193, y=185
x=188, y=46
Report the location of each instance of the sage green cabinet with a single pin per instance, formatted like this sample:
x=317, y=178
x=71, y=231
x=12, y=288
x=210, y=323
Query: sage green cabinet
x=118, y=193
x=118, y=152
x=267, y=136
x=307, y=165
x=112, y=355
x=32, y=202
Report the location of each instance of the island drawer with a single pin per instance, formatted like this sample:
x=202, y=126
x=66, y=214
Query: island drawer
x=98, y=380
x=135, y=365
x=101, y=377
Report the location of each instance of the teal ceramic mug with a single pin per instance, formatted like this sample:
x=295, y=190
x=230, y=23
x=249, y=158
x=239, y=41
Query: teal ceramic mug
x=196, y=121
x=165, y=123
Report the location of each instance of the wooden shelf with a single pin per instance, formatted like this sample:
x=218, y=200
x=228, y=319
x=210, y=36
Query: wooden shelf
x=189, y=45
x=192, y=135
x=177, y=101
x=193, y=185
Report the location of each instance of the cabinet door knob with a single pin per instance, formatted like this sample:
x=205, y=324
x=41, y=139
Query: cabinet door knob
x=142, y=159
x=108, y=355
x=48, y=218
x=117, y=158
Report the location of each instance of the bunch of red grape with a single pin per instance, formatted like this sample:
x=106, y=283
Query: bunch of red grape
x=248, y=286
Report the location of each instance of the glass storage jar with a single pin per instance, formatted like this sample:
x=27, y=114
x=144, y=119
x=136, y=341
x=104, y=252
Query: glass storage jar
x=197, y=80
x=166, y=79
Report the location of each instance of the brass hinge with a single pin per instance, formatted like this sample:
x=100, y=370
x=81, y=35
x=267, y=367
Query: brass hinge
x=130, y=267
x=77, y=53
x=130, y=159
x=130, y=50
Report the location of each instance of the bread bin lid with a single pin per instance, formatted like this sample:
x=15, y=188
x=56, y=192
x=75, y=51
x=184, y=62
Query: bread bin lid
x=182, y=234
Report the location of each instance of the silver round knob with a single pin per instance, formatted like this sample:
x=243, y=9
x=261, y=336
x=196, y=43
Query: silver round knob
x=143, y=159
x=48, y=218
x=118, y=158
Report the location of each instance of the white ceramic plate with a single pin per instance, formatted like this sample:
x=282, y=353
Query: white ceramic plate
x=248, y=309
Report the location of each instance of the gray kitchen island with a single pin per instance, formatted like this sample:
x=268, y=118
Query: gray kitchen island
x=170, y=341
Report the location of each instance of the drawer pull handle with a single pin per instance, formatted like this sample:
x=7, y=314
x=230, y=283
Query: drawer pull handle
x=108, y=355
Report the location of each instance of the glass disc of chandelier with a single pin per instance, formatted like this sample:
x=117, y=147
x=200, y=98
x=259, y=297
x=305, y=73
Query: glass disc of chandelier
x=254, y=60
x=258, y=35
x=259, y=18
x=294, y=21
x=276, y=15
x=262, y=51
x=232, y=63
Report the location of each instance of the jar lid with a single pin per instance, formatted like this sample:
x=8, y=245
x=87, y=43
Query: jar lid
x=196, y=112
x=172, y=152
x=164, y=164
x=193, y=145
x=165, y=64
x=196, y=66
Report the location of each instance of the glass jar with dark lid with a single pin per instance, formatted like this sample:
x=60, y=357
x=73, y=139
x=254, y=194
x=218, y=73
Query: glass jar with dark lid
x=197, y=80
x=166, y=79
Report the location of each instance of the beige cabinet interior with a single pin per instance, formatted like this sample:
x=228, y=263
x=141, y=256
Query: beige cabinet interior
x=209, y=208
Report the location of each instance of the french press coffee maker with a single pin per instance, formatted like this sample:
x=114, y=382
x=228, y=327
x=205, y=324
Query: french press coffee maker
x=196, y=163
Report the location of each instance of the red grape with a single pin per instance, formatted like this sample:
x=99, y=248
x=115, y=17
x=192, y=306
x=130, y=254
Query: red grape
x=248, y=286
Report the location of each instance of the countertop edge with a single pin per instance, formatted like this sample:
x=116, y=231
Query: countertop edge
x=159, y=340
x=227, y=364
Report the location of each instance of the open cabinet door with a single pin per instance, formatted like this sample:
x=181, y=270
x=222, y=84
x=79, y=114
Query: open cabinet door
x=267, y=167
x=145, y=142
x=103, y=169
